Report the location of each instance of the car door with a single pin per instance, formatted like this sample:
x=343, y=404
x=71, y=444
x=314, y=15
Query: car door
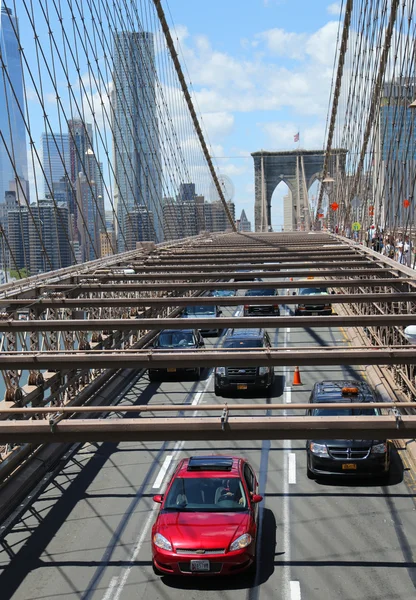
x=252, y=486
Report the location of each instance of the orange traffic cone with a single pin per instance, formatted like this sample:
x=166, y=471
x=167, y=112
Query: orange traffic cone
x=296, y=377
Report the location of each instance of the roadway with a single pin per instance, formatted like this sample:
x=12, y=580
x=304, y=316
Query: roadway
x=87, y=536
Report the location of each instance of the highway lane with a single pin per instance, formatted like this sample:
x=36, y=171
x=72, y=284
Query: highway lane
x=88, y=535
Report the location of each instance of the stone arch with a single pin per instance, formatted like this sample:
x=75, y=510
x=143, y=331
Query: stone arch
x=270, y=168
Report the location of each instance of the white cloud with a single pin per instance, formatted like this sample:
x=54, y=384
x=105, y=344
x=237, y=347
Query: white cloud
x=321, y=45
x=264, y=82
x=284, y=43
x=280, y=135
x=334, y=9
x=218, y=124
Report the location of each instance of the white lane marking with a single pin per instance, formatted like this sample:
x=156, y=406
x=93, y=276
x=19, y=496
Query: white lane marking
x=122, y=580
x=139, y=544
x=110, y=589
x=287, y=395
x=292, y=467
x=295, y=590
x=286, y=575
x=162, y=472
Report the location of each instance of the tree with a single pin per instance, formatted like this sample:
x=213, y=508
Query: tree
x=19, y=274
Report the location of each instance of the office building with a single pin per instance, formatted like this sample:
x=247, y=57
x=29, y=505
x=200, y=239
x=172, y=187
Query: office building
x=56, y=165
x=18, y=247
x=138, y=227
x=13, y=149
x=136, y=144
x=49, y=237
x=395, y=153
x=243, y=224
x=179, y=218
x=216, y=219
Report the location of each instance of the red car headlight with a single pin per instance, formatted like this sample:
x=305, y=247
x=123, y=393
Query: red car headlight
x=241, y=542
x=161, y=542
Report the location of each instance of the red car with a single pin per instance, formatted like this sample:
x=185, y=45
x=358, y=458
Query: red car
x=207, y=523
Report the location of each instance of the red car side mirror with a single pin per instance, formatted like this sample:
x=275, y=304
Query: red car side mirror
x=255, y=498
x=158, y=498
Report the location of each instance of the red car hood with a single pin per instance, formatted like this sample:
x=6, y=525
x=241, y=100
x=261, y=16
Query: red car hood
x=195, y=530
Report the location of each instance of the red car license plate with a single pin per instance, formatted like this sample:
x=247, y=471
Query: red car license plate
x=349, y=466
x=200, y=565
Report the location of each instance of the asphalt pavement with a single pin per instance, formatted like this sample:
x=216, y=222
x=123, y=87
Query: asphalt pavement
x=88, y=535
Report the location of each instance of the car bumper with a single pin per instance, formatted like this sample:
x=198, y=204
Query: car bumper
x=310, y=312
x=173, y=371
x=374, y=466
x=262, y=311
x=210, y=331
x=259, y=382
x=230, y=563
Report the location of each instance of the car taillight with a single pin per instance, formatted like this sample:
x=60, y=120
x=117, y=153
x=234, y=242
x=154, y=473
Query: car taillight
x=246, y=306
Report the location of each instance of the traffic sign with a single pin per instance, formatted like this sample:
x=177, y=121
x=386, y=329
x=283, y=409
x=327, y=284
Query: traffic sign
x=356, y=226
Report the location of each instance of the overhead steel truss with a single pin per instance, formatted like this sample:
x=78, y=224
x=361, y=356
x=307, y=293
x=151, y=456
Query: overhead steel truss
x=82, y=320
x=221, y=428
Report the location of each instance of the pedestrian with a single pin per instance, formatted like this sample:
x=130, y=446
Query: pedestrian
x=407, y=252
x=388, y=249
x=399, y=249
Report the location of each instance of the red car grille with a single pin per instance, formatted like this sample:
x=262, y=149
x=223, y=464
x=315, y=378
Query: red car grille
x=199, y=551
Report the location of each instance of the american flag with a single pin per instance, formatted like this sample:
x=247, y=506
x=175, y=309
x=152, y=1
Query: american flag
x=296, y=137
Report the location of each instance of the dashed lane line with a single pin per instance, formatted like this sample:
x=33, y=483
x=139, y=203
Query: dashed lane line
x=162, y=472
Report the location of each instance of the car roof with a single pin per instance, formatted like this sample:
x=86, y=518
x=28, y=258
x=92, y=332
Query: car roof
x=240, y=333
x=197, y=466
x=178, y=330
x=331, y=391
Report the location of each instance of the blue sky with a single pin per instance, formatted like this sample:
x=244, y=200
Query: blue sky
x=261, y=71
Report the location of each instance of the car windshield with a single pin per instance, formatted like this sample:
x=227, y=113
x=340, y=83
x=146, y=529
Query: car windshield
x=206, y=494
x=243, y=343
x=175, y=339
x=343, y=412
x=201, y=310
x=312, y=291
x=264, y=292
x=223, y=293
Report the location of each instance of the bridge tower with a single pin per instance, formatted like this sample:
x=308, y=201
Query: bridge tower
x=298, y=169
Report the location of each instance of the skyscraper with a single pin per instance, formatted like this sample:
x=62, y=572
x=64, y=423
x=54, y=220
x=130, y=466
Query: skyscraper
x=243, y=224
x=55, y=159
x=48, y=234
x=136, y=141
x=91, y=215
x=395, y=155
x=13, y=157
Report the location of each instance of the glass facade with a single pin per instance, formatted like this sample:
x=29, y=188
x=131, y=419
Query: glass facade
x=398, y=149
x=135, y=131
x=13, y=149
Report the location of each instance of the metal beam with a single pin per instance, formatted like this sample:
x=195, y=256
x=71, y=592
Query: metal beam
x=362, y=298
x=30, y=411
x=238, y=274
x=155, y=267
x=143, y=359
x=134, y=324
x=227, y=285
x=209, y=428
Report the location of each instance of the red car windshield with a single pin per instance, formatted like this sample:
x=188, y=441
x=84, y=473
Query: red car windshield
x=206, y=494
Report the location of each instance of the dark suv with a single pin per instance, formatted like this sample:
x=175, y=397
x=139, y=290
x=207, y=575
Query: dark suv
x=322, y=306
x=345, y=457
x=177, y=340
x=244, y=378
x=261, y=309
